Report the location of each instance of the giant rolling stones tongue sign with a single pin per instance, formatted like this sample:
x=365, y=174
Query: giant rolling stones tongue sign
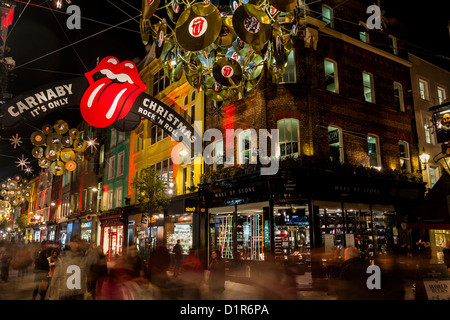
x=113, y=95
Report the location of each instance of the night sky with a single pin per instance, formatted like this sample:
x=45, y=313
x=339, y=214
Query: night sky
x=40, y=31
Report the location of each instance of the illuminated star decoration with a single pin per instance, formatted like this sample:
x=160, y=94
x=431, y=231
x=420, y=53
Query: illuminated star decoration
x=92, y=143
x=216, y=111
x=28, y=170
x=16, y=140
x=22, y=162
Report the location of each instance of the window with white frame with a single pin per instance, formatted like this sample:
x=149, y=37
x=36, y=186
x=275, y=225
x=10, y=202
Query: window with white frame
x=434, y=175
x=120, y=163
x=109, y=195
x=405, y=161
x=393, y=44
x=119, y=196
x=423, y=89
x=160, y=81
x=111, y=167
x=217, y=153
x=428, y=130
x=139, y=143
x=369, y=89
x=121, y=137
x=442, y=94
x=290, y=75
x=374, y=151
x=331, y=75
x=246, y=149
x=363, y=32
x=327, y=16
x=288, y=135
x=398, y=97
x=113, y=137
x=335, y=144
x=157, y=134
x=193, y=96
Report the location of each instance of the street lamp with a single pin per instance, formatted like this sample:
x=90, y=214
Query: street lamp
x=424, y=157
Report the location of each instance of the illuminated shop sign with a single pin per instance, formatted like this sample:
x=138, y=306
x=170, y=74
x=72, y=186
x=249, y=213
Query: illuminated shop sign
x=86, y=224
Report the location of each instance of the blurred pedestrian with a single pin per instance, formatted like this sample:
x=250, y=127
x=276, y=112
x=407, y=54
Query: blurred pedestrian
x=41, y=270
x=178, y=251
x=69, y=281
x=446, y=253
x=392, y=279
x=353, y=277
x=22, y=260
x=52, y=260
x=216, y=281
x=97, y=272
x=5, y=260
x=157, y=266
x=192, y=276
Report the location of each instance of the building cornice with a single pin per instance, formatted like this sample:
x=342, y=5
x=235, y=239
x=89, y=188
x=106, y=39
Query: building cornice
x=321, y=25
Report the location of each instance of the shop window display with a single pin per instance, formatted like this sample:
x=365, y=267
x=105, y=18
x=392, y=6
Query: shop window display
x=292, y=236
x=249, y=233
x=221, y=231
x=180, y=228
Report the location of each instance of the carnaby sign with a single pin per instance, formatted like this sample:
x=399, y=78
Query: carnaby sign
x=111, y=94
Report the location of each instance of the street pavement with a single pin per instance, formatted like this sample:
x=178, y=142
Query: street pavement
x=22, y=289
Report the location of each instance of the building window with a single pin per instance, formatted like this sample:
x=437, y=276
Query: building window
x=428, y=127
x=113, y=137
x=193, y=114
x=434, y=175
x=442, y=94
x=374, y=151
x=121, y=137
x=185, y=101
x=119, y=196
x=120, y=163
x=139, y=138
x=218, y=153
x=160, y=82
x=245, y=145
x=393, y=45
x=111, y=167
x=363, y=32
x=398, y=97
x=290, y=73
x=335, y=144
x=109, y=200
x=157, y=134
x=288, y=131
x=331, y=76
x=423, y=89
x=327, y=16
x=405, y=163
x=193, y=96
x=369, y=90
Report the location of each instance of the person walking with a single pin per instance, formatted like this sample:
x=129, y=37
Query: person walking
x=41, y=270
x=69, y=281
x=22, y=260
x=216, y=281
x=5, y=260
x=178, y=251
x=192, y=274
x=352, y=278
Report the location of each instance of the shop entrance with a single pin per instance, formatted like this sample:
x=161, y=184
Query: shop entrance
x=112, y=242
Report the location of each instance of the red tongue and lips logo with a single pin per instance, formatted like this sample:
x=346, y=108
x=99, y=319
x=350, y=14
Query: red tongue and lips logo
x=111, y=96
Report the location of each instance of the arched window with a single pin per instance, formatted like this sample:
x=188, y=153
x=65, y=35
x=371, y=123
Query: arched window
x=373, y=143
x=405, y=160
x=335, y=144
x=289, y=137
x=331, y=75
x=192, y=95
x=363, y=32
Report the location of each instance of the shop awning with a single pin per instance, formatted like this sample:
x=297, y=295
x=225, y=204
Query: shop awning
x=435, y=207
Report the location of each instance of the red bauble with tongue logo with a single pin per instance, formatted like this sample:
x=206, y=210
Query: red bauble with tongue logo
x=112, y=95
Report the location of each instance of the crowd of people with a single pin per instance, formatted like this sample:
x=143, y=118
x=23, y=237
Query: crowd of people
x=80, y=271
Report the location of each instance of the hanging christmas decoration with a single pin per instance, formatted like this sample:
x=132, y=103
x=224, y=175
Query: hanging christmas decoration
x=222, y=46
x=5, y=210
x=57, y=147
x=16, y=140
x=22, y=162
x=15, y=190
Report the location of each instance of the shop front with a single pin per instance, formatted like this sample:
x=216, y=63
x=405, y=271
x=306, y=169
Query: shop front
x=86, y=230
x=112, y=236
x=51, y=232
x=288, y=215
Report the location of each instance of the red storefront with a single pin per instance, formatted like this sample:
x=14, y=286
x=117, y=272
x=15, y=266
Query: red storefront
x=112, y=236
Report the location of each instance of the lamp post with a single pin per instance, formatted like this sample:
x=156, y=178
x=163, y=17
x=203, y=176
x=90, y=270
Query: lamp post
x=424, y=158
